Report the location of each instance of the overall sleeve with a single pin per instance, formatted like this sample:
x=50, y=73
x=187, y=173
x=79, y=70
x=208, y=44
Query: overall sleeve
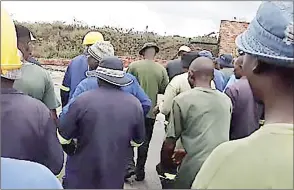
x=52, y=153
x=65, y=87
x=139, y=129
x=68, y=128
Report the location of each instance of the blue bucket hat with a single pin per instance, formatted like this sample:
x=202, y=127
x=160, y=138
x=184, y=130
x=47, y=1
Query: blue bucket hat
x=270, y=35
x=225, y=60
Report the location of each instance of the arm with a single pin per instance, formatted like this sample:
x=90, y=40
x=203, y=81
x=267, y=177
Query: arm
x=139, y=129
x=142, y=97
x=49, y=98
x=164, y=82
x=174, y=131
x=232, y=94
x=81, y=88
x=169, y=94
x=52, y=151
x=65, y=87
x=69, y=124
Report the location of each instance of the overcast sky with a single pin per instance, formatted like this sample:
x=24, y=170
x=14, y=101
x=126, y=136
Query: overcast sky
x=189, y=18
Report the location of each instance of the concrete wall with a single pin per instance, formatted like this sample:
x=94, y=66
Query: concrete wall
x=228, y=32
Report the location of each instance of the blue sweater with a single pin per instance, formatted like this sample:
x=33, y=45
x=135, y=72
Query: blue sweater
x=91, y=83
x=218, y=80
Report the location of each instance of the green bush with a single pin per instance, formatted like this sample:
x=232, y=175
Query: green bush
x=59, y=40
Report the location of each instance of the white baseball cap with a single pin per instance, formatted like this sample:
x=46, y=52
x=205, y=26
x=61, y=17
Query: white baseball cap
x=184, y=48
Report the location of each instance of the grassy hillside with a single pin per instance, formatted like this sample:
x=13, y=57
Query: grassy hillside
x=58, y=40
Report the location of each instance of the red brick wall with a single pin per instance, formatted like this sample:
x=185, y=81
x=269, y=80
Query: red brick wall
x=65, y=62
x=228, y=32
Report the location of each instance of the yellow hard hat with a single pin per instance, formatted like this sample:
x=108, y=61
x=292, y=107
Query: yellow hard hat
x=92, y=37
x=10, y=59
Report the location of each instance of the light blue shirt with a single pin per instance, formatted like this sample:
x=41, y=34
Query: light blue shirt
x=21, y=174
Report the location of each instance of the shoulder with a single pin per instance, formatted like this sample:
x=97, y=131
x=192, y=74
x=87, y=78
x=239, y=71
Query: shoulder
x=77, y=59
x=222, y=158
x=178, y=80
x=135, y=63
x=31, y=103
x=182, y=96
x=130, y=76
x=36, y=175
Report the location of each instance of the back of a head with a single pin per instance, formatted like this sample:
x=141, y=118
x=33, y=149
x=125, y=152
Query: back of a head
x=10, y=59
x=203, y=67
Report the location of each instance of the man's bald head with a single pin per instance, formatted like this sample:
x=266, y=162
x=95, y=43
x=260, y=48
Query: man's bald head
x=201, y=72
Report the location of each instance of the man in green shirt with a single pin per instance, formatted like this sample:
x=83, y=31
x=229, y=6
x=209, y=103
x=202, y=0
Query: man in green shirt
x=264, y=160
x=35, y=81
x=153, y=79
x=199, y=117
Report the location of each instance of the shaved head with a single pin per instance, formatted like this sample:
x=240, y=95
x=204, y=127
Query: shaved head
x=201, y=72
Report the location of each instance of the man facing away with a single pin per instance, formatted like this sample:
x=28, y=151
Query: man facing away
x=76, y=70
x=247, y=111
x=201, y=125
x=225, y=62
x=218, y=80
x=104, y=121
x=174, y=67
x=153, y=79
x=28, y=131
x=35, y=81
x=264, y=160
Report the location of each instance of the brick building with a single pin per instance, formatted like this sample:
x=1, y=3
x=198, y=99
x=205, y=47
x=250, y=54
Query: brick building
x=228, y=32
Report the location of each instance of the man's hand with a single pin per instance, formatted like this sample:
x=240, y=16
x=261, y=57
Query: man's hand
x=156, y=110
x=178, y=156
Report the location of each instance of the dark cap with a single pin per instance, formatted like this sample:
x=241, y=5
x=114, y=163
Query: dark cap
x=188, y=58
x=225, y=60
x=110, y=70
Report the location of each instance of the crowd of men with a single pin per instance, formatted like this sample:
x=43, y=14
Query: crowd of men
x=229, y=121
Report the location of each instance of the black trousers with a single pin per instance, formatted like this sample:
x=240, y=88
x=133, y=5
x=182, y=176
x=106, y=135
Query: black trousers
x=142, y=150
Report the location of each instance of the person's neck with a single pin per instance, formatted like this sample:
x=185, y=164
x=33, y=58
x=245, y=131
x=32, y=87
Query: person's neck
x=6, y=83
x=203, y=84
x=279, y=108
x=148, y=58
